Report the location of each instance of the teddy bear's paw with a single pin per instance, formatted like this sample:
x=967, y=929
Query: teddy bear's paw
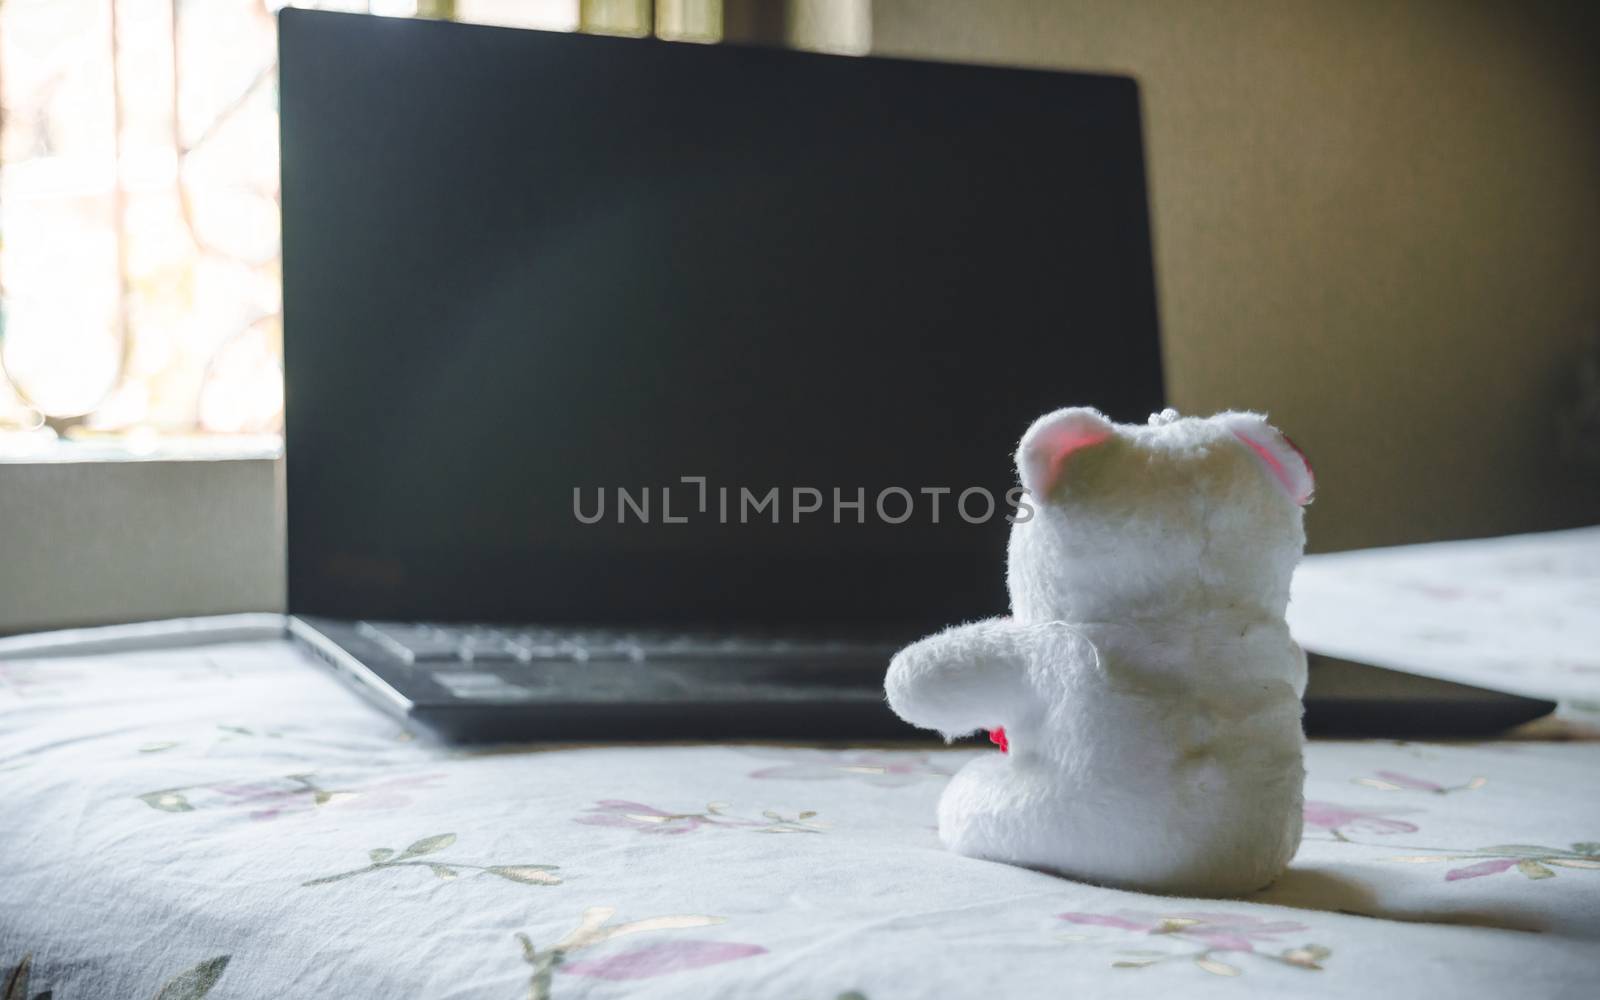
x=960, y=680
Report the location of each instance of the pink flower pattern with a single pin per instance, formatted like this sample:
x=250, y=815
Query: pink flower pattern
x=271, y=798
x=658, y=958
x=1394, y=781
x=1338, y=820
x=645, y=819
x=651, y=820
x=662, y=957
x=1211, y=932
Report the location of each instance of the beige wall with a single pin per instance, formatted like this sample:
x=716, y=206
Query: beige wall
x=1379, y=221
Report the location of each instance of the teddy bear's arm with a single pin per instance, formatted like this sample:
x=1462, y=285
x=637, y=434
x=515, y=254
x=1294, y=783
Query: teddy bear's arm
x=962, y=679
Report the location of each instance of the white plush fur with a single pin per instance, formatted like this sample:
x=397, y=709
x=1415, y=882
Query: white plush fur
x=1146, y=679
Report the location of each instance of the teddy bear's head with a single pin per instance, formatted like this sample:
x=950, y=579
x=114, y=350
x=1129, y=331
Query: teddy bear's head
x=1180, y=515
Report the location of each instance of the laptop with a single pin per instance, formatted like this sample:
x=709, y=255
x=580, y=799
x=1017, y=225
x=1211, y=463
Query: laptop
x=656, y=390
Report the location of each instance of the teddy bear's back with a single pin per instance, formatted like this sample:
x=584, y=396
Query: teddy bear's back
x=1161, y=761
x=1199, y=689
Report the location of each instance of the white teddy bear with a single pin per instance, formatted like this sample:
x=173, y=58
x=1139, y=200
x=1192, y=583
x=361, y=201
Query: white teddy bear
x=1145, y=689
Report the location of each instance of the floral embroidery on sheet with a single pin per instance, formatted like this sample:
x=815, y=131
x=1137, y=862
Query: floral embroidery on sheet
x=884, y=768
x=1531, y=860
x=1340, y=820
x=196, y=982
x=190, y=984
x=15, y=985
x=1394, y=781
x=383, y=858
x=1199, y=938
x=649, y=819
x=657, y=958
x=271, y=798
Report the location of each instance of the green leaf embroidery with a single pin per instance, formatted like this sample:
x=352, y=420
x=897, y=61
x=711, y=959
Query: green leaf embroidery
x=1518, y=850
x=427, y=845
x=326, y=879
x=167, y=800
x=1534, y=869
x=1306, y=956
x=526, y=874
x=1217, y=968
x=16, y=987
x=192, y=984
x=384, y=858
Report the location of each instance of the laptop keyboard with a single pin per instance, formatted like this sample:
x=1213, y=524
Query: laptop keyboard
x=425, y=643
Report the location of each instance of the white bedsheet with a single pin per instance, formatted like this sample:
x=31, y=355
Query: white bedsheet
x=229, y=821
x=1519, y=613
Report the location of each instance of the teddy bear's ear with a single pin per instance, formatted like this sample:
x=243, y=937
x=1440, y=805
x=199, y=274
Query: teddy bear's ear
x=1285, y=463
x=1054, y=436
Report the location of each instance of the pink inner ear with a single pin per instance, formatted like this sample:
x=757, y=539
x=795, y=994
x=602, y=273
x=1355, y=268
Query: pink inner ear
x=1279, y=471
x=1311, y=474
x=1063, y=443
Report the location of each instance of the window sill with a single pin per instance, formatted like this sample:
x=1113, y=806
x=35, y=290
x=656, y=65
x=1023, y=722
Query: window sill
x=100, y=532
x=23, y=448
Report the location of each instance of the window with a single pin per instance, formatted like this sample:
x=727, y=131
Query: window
x=139, y=269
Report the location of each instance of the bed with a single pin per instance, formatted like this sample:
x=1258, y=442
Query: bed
x=230, y=821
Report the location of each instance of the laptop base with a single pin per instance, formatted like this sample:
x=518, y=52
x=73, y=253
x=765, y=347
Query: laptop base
x=811, y=696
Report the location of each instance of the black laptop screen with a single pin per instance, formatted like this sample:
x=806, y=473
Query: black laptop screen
x=534, y=281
